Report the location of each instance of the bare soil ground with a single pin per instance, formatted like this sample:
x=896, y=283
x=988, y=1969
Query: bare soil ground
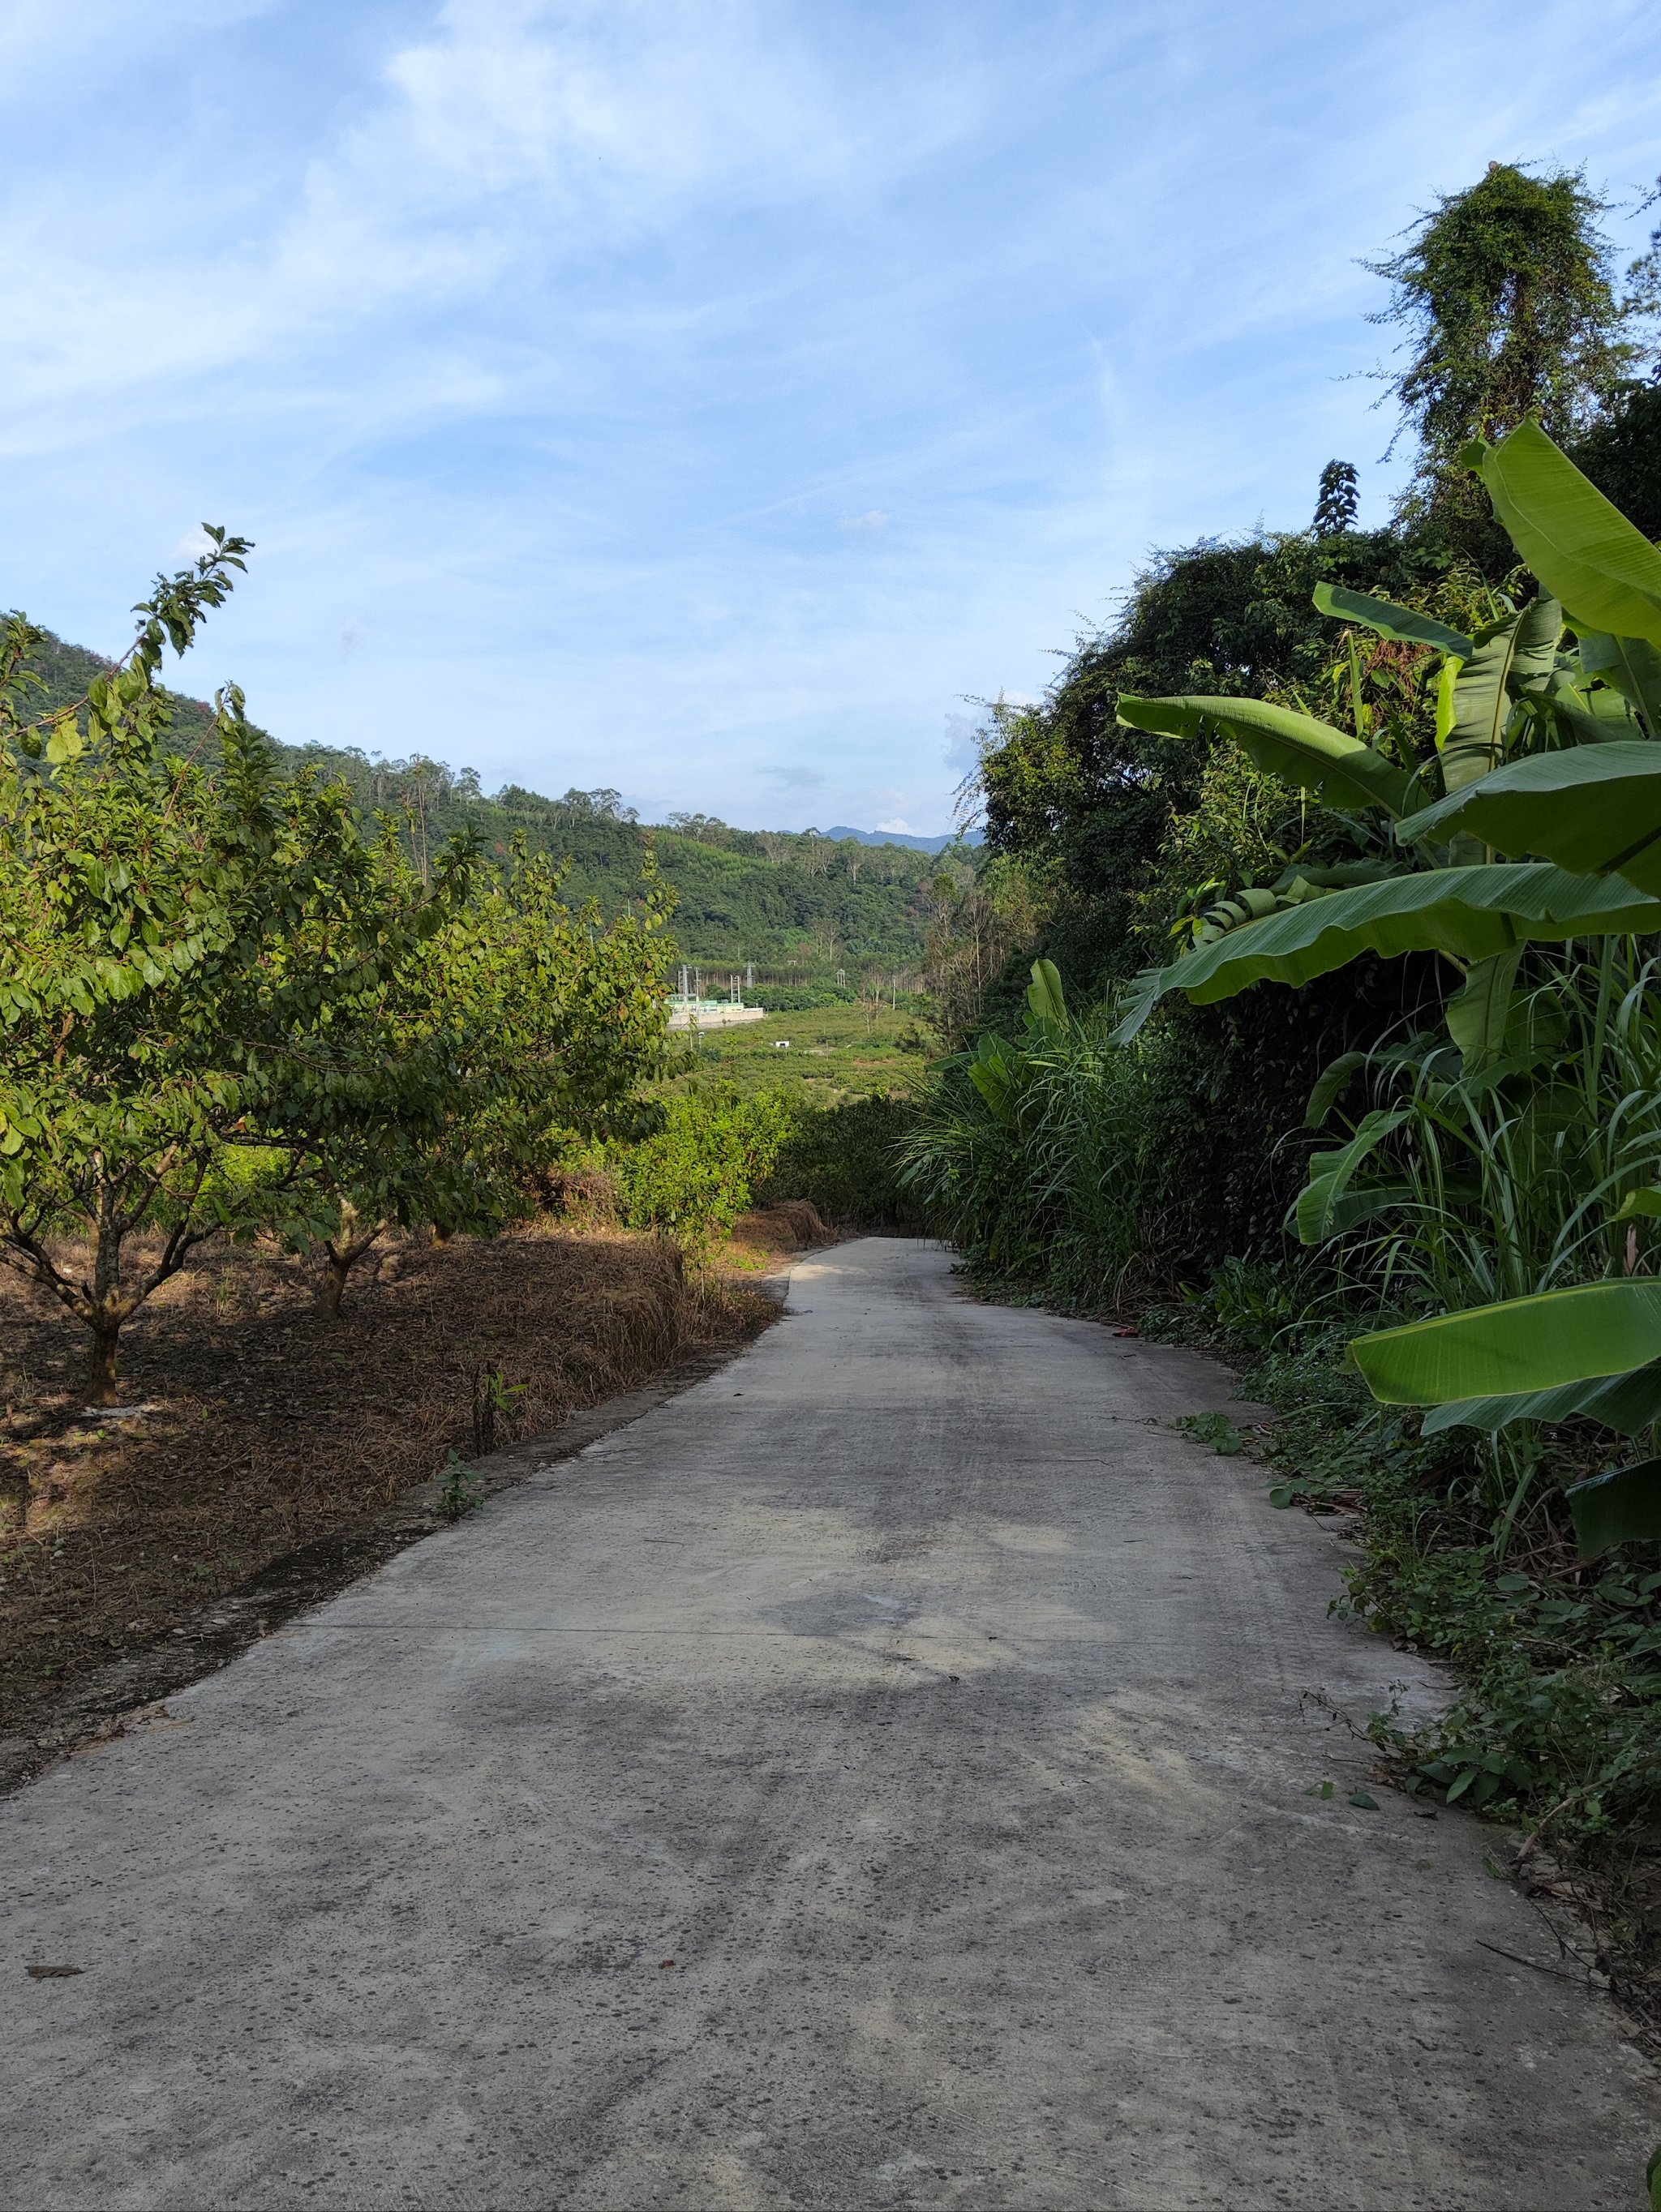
x=282, y=1455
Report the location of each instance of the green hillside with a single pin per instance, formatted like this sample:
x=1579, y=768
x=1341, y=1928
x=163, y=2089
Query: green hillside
x=800, y=907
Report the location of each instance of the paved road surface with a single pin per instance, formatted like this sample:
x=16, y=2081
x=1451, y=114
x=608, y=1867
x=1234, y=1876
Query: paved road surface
x=937, y=1713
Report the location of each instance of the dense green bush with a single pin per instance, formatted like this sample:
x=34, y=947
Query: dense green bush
x=695, y=1174
x=801, y=999
x=847, y=1160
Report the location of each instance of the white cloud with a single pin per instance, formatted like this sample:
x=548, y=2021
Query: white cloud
x=960, y=748
x=514, y=138
x=547, y=348
x=899, y=829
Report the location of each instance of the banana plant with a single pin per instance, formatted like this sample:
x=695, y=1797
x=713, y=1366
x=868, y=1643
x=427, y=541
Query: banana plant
x=1539, y=820
x=1593, y=1352
x=1003, y=1072
x=1512, y=703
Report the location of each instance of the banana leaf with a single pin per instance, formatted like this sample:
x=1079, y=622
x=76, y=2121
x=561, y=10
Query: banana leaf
x=1627, y=1403
x=1580, y=546
x=1310, y=755
x=1330, y=1085
x=1045, y=998
x=1630, y=667
x=1523, y=1345
x=999, y=1071
x=1477, y=1015
x=1595, y=810
x=1621, y=1507
x=1517, y=654
x=1320, y=1212
x=1472, y=913
x=1569, y=718
x=1137, y=1000
x=1402, y=624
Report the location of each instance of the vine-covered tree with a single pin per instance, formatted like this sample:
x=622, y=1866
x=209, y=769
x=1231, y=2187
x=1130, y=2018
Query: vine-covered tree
x=1505, y=292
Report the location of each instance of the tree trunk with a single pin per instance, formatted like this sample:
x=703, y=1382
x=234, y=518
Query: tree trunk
x=100, y=1364
x=343, y=1254
x=333, y=1288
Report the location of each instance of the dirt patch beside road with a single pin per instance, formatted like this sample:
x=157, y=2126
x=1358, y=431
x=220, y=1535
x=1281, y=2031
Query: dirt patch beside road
x=283, y=1455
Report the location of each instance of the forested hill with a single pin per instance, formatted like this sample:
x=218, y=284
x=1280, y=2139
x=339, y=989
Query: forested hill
x=798, y=905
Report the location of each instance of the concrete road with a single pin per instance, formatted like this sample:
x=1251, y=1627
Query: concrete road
x=877, y=1777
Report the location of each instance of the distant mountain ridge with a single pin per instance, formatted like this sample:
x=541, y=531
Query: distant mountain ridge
x=798, y=907
x=904, y=838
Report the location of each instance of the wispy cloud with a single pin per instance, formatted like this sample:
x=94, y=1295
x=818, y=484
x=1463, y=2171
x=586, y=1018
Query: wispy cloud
x=553, y=351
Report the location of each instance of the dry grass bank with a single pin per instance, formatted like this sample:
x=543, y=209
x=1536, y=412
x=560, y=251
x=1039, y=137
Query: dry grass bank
x=277, y=1437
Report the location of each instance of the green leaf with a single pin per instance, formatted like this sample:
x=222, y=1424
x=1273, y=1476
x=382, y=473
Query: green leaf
x=1365, y=1800
x=1626, y=1403
x=1473, y=914
x=1329, y=1086
x=1477, y=1016
x=1522, y=651
x=1621, y=1507
x=1044, y=994
x=997, y=1070
x=1595, y=810
x=1137, y=1000
x=1330, y=1174
x=1630, y=667
x=1580, y=546
x=1400, y=623
x=1310, y=755
x=1447, y=683
x=1522, y=1345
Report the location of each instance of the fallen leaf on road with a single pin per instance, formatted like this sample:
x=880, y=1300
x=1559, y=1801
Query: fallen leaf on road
x=53, y=1973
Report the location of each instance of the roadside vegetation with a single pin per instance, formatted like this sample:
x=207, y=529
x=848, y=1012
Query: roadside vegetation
x=1327, y=1028
x=336, y=1152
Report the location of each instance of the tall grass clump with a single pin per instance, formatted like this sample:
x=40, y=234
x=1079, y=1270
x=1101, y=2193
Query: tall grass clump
x=1533, y=1173
x=1019, y=1155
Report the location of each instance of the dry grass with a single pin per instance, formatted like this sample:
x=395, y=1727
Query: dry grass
x=273, y=1428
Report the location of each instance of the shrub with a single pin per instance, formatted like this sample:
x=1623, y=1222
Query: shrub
x=846, y=1159
x=694, y=1175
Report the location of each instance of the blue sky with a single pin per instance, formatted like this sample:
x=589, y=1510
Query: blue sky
x=709, y=399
